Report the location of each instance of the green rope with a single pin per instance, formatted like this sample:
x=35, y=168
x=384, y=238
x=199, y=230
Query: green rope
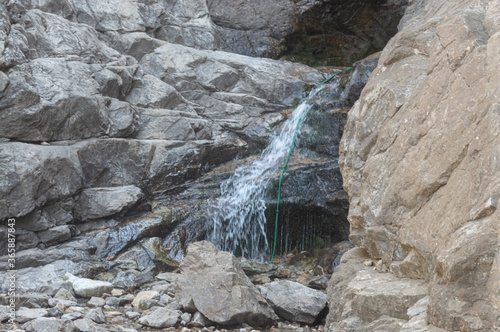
x=286, y=163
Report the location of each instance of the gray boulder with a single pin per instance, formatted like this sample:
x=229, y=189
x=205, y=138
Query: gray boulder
x=50, y=325
x=293, y=301
x=96, y=315
x=24, y=315
x=4, y=313
x=161, y=318
x=85, y=287
x=213, y=283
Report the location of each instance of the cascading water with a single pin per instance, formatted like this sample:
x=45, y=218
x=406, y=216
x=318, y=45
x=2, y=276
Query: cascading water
x=239, y=213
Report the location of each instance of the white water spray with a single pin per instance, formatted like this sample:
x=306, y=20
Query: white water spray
x=239, y=213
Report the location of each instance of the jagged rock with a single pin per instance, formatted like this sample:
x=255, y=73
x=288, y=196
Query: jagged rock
x=123, y=118
x=113, y=301
x=87, y=287
x=96, y=302
x=150, y=254
x=49, y=325
x=69, y=39
x=412, y=167
x=96, y=315
x=198, y=320
x=29, y=179
x=145, y=295
x=96, y=203
x=86, y=325
x=132, y=314
x=72, y=316
x=24, y=315
x=62, y=304
x=55, y=312
x=161, y=318
x=173, y=125
x=357, y=80
x=202, y=270
x=294, y=302
x=64, y=294
x=4, y=313
x=150, y=91
x=164, y=288
x=254, y=28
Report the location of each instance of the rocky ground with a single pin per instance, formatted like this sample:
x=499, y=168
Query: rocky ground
x=211, y=291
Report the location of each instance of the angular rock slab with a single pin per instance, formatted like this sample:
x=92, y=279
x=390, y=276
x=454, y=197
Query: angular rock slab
x=212, y=282
x=161, y=318
x=293, y=301
x=101, y=202
x=50, y=325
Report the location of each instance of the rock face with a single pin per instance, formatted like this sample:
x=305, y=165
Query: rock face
x=420, y=160
x=293, y=301
x=112, y=103
x=213, y=283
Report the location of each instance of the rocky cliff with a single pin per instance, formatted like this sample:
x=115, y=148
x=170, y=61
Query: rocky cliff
x=420, y=161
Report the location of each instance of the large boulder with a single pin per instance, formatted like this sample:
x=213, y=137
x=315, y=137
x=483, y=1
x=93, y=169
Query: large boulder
x=213, y=283
x=85, y=287
x=50, y=325
x=161, y=318
x=293, y=301
x=420, y=160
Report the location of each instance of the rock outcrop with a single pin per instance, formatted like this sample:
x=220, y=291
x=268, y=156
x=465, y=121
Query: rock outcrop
x=420, y=162
x=106, y=104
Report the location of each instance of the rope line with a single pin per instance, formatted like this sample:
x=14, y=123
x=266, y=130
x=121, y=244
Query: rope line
x=286, y=163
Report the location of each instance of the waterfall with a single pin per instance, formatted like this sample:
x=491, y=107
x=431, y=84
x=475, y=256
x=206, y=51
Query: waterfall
x=238, y=215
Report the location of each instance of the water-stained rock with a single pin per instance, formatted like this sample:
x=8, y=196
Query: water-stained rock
x=213, y=283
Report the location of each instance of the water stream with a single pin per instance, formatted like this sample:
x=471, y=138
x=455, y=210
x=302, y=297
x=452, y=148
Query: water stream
x=238, y=215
